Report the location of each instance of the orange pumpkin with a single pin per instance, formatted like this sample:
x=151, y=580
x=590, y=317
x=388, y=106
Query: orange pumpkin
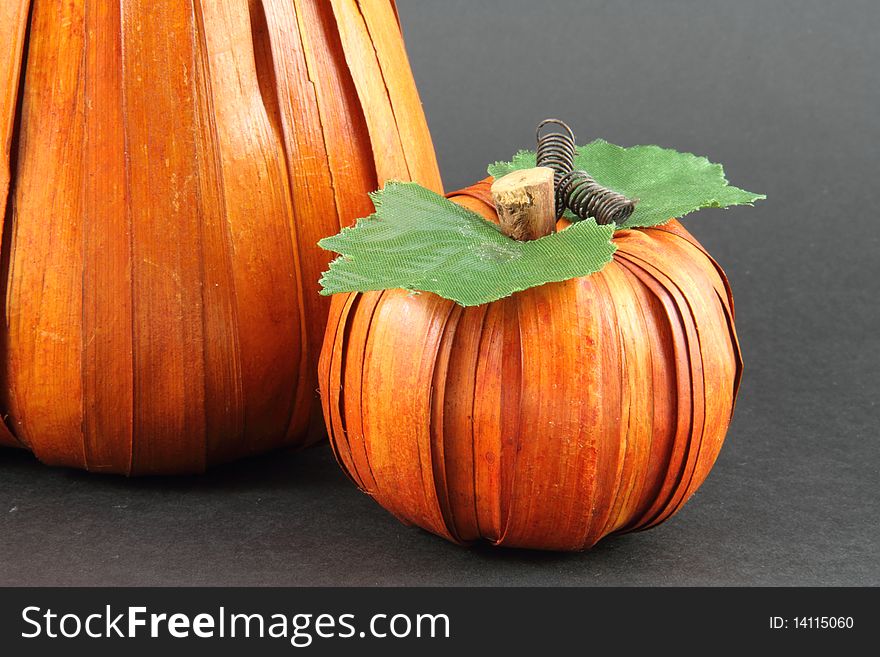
x=548, y=419
x=167, y=169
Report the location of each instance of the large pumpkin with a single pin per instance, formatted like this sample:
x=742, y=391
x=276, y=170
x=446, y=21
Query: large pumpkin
x=548, y=419
x=167, y=168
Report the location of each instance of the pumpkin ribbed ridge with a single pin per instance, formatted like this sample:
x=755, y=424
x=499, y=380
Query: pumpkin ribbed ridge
x=548, y=419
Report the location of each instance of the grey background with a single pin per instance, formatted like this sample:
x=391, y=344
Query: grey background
x=787, y=95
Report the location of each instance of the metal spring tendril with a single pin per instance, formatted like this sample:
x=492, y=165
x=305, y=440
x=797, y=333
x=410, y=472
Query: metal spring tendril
x=576, y=190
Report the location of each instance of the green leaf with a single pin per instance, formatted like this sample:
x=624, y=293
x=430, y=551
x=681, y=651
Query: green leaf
x=418, y=240
x=666, y=183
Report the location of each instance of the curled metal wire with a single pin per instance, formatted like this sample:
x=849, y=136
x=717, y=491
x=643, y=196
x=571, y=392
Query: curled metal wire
x=586, y=198
x=556, y=150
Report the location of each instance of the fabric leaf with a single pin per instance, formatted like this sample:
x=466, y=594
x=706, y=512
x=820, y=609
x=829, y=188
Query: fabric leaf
x=418, y=240
x=667, y=184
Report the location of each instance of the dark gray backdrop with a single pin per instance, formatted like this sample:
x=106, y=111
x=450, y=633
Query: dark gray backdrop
x=786, y=94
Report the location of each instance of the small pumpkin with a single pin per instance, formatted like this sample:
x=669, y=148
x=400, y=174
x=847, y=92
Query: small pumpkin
x=547, y=419
x=165, y=171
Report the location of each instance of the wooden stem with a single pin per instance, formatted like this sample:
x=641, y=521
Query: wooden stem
x=524, y=200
